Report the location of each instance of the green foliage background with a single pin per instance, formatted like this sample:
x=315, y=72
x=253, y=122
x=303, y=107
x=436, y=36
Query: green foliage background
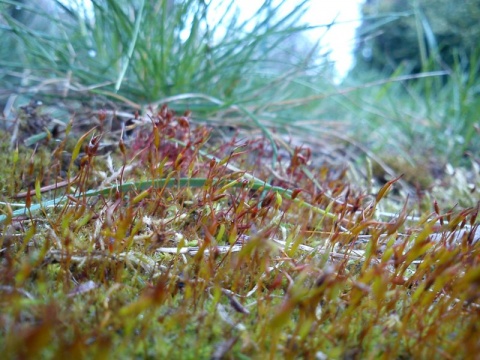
x=414, y=33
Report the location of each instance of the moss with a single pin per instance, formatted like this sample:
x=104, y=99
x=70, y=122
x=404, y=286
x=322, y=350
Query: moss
x=196, y=267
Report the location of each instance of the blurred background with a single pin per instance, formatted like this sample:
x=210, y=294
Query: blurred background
x=389, y=86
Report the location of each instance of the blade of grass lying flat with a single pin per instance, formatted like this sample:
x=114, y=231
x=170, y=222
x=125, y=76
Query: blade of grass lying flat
x=255, y=184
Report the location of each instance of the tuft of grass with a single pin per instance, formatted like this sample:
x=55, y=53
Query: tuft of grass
x=156, y=50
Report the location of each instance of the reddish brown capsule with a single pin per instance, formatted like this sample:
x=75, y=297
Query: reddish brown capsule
x=295, y=193
x=474, y=215
x=163, y=111
x=102, y=115
x=318, y=198
x=183, y=122
x=122, y=147
x=169, y=116
x=218, y=197
x=180, y=159
x=28, y=200
x=93, y=145
x=212, y=163
x=356, y=205
x=268, y=199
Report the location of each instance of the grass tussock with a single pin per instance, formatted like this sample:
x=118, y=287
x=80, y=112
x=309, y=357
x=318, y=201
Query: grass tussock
x=174, y=240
